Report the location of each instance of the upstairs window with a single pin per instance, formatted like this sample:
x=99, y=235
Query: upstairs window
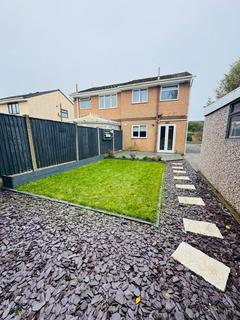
x=85, y=103
x=139, y=131
x=234, y=121
x=64, y=113
x=139, y=95
x=108, y=101
x=13, y=108
x=169, y=93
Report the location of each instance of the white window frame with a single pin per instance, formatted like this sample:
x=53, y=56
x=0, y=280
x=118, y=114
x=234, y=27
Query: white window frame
x=166, y=137
x=167, y=86
x=84, y=108
x=139, y=125
x=64, y=114
x=104, y=96
x=139, y=101
x=15, y=109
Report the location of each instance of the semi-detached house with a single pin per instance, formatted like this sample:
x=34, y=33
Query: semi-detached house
x=153, y=112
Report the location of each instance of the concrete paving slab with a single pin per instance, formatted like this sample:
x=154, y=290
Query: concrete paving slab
x=202, y=227
x=179, y=171
x=181, y=178
x=177, y=163
x=185, y=186
x=177, y=167
x=191, y=200
x=212, y=270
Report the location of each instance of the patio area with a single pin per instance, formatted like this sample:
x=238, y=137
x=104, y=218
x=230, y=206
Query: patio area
x=62, y=262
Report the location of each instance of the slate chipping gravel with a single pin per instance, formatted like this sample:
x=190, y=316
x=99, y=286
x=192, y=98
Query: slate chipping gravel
x=59, y=262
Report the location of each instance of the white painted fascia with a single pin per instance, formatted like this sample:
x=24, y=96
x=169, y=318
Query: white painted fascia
x=131, y=86
x=225, y=100
x=13, y=100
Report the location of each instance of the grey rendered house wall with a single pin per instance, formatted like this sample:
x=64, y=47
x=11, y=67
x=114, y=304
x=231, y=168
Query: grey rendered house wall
x=220, y=157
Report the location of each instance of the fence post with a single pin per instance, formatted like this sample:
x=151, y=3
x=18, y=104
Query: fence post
x=99, y=148
x=113, y=141
x=30, y=140
x=77, y=147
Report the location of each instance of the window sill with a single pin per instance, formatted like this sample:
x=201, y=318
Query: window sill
x=85, y=108
x=107, y=108
x=169, y=100
x=233, y=138
x=139, y=137
x=146, y=102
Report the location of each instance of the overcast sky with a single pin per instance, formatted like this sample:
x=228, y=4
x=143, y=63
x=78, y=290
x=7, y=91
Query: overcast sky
x=52, y=44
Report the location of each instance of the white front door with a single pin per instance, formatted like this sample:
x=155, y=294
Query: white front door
x=166, y=137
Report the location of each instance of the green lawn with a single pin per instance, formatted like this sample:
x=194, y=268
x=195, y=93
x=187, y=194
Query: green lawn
x=123, y=186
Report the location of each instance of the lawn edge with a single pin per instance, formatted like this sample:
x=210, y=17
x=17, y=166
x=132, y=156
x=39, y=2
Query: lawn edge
x=114, y=214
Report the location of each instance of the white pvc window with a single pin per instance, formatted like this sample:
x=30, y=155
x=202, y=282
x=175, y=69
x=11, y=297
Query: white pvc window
x=234, y=121
x=108, y=101
x=13, y=108
x=139, y=95
x=139, y=131
x=85, y=103
x=169, y=93
x=64, y=113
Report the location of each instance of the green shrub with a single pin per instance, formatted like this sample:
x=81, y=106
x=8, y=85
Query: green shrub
x=145, y=158
x=159, y=158
x=124, y=157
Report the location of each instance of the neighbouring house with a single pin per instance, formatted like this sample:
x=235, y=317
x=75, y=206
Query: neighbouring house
x=220, y=151
x=52, y=105
x=152, y=112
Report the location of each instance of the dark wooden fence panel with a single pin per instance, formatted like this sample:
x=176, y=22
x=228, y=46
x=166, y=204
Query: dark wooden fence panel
x=14, y=148
x=117, y=140
x=88, y=142
x=54, y=142
x=105, y=145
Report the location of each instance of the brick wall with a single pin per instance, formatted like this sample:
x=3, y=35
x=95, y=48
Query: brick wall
x=174, y=112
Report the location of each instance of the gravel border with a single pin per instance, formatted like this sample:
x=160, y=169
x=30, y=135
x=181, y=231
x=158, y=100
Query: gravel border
x=62, y=262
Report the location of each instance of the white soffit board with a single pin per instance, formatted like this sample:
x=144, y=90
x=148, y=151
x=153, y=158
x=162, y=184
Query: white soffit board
x=212, y=270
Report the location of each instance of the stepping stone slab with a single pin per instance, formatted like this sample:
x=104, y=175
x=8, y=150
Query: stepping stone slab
x=178, y=168
x=179, y=171
x=191, y=200
x=186, y=186
x=212, y=270
x=177, y=163
x=181, y=178
x=202, y=227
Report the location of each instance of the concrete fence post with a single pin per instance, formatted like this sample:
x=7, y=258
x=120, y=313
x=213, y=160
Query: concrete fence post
x=99, y=147
x=77, y=145
x=30, y=140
